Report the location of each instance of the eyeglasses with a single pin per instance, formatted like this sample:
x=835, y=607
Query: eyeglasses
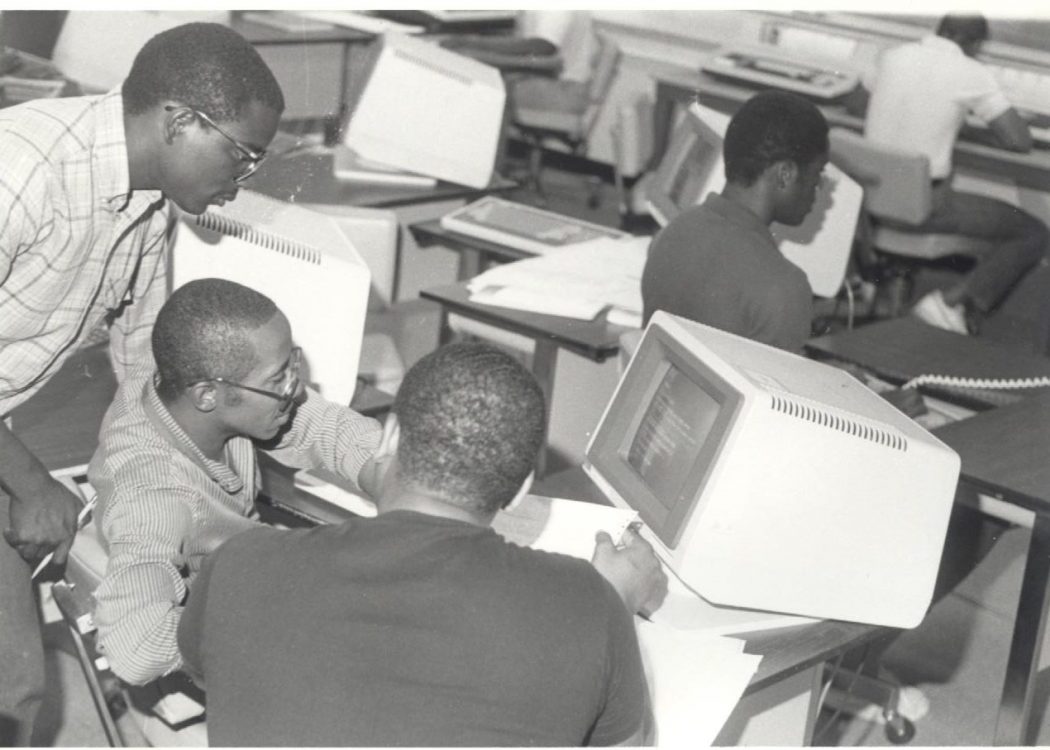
x=288, y=391
x=251, y=157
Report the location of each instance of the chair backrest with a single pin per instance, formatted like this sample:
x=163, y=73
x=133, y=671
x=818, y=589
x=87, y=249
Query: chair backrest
x=896, y=182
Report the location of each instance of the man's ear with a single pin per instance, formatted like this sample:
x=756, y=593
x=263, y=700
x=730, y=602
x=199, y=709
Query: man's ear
x=786, y=173
x=177, y=121
x=204, y=395
x=522, y=492
x=391, y=438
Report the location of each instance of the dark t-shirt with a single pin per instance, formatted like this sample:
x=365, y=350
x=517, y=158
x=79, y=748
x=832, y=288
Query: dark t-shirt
x=717, y=264
x=409, y=629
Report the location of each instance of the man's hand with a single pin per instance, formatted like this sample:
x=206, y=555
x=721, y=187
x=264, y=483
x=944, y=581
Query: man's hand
x=47, y=521
x=633, y=569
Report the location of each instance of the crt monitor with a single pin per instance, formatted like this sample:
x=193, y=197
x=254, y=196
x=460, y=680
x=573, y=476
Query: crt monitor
x=692, y=167
x=303, y=260
x=418, y=107
x=772, y=482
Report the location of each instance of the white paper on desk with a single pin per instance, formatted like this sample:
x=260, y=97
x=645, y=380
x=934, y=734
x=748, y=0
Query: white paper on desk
x=695, y=682
x=532, y=300
x=559, y=525
x=572, y=525
x=599, y=274
x=335, y=495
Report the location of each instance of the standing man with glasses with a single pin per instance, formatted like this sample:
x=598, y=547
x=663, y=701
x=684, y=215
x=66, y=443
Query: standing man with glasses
x=176, y=470
x=85, y=200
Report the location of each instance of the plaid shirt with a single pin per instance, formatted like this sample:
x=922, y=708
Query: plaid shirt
x=163, y=507
x=77, y=246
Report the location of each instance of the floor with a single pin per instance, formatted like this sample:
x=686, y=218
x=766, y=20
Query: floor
x=957, y=657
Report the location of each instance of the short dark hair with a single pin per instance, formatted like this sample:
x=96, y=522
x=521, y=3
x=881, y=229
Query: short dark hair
x=201, y=330
x=472, y=423
x=773, y=126
x=207, y=66
x=963, y=28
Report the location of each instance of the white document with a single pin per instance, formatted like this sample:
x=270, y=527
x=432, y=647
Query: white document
x=557, y=525
x=695, y=681
x=575, y=282
x=329, y=492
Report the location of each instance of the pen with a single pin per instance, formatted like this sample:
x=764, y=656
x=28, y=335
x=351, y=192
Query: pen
x=82, y=520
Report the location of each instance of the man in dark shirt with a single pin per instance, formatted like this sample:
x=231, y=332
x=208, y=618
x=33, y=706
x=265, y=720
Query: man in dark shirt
x=717, y=263
x=422, y=626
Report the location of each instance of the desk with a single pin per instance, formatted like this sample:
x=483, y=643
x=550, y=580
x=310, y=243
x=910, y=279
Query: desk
x=902, y=348
x=475, y=253
x=1031, y=170
x=1003, y=452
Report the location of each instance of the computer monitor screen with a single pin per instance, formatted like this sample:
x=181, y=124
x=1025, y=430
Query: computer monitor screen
x=773, y=482
x=304, y=261
x=693, y=167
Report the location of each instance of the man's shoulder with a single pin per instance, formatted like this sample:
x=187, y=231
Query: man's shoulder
x=47, y=123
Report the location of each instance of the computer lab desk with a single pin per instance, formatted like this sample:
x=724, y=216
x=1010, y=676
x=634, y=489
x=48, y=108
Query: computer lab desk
x=1004, y=450
x=682, y=87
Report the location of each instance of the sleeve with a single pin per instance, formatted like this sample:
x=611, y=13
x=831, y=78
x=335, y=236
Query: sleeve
x=626, y=697
x=140, y=599
x=129, y=334
x=191, y=624
x=981, y=93
x=330, y=436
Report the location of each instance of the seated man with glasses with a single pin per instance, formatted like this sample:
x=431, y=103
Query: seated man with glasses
x=176, y=469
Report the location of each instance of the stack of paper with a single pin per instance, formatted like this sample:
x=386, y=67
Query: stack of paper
x=578, y=282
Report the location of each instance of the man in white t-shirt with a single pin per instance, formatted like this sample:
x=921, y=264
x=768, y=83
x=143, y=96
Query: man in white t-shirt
x=921, y=94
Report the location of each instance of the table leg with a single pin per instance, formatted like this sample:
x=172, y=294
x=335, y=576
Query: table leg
x=469, y=264
x=1012, y=724
x=544, y=360
x=444, y=329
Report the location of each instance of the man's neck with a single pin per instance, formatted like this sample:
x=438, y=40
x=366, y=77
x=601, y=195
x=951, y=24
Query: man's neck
x=752, y=197
x=398, y=497
x=137, y=136
x=199, y=427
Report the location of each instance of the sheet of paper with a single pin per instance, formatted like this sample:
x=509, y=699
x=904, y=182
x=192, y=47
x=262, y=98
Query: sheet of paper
x=559, y=525
x=336, y=495
x=593, y=276
x=695, y=682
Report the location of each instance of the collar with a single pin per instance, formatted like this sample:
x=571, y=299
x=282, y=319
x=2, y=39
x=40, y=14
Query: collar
x=158, y=414
x=110, y=156
x=734, y=212
x=941, y=44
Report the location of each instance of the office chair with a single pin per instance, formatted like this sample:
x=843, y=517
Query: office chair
x=562, y=109
x=897, y=199
x=174, y=719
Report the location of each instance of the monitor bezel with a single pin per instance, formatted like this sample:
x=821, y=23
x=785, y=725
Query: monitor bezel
x=660, y=195
x=607, y=454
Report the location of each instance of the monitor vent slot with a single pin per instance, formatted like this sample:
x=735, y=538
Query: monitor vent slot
x=239, y=229
x=838, y=421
